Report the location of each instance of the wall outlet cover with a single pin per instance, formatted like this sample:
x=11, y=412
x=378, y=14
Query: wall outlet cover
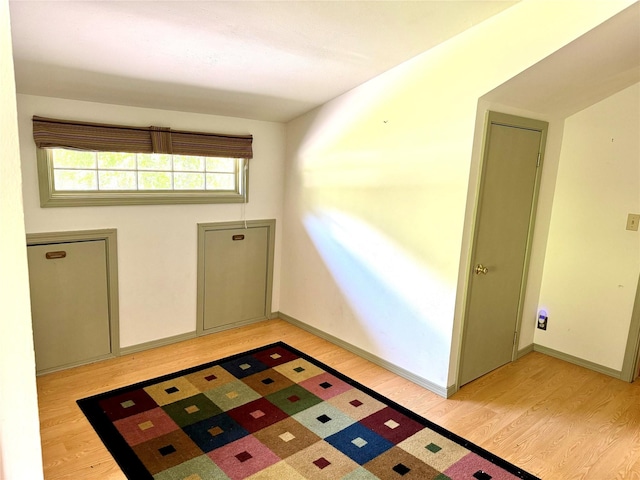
x=542, y=322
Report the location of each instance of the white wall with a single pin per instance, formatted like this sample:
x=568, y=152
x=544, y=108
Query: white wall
x=20, y=455
x=377, y=183
x=157, y=244
x=592, y=262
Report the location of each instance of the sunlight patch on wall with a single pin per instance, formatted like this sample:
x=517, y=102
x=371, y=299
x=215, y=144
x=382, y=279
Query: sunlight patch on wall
x=388, y=289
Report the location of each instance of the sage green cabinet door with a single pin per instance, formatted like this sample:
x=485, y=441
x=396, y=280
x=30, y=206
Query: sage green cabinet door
x=69, y=303
x=235, y=275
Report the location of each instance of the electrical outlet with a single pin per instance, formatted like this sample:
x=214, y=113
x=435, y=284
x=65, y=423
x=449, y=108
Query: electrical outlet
x=632, y=221
x=542, y=321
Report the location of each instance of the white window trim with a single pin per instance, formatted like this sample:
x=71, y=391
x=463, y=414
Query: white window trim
x=50, y=197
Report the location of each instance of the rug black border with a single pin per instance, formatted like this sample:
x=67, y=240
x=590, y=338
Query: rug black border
x=133, y=468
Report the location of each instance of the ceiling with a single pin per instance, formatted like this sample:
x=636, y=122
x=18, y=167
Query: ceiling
x=594, y=66
x=267, y=60
x=275, y=60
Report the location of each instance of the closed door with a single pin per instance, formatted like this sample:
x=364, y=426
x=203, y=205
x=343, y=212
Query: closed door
x=236, y=267
x=69, y=303
x=504, y=222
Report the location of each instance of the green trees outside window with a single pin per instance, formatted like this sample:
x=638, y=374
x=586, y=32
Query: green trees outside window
x=73, y=177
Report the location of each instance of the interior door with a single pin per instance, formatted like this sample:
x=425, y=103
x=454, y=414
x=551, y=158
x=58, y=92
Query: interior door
x=504, y=222
x=69, y=303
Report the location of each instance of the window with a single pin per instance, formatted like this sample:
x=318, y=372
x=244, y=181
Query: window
x=76, y=177
x=82, y=164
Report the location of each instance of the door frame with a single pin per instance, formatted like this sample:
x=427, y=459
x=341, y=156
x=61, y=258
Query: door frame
x=504, y=119
x=203, y=228
x=110, y=238
x=631, y=361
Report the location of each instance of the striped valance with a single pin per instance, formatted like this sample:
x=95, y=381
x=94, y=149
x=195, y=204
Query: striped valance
x=53, y=133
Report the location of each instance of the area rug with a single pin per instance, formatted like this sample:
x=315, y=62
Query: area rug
x=276, y=413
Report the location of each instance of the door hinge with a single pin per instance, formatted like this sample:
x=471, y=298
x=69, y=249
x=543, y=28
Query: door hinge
x=538, y=161
x=515, y=337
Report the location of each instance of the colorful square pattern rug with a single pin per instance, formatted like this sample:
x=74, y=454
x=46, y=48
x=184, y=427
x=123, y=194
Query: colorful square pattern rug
x=276, y=413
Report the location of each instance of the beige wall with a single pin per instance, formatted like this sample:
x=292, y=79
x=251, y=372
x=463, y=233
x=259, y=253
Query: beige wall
x=592, y=262
x=20, y=455
x=377, y=190
x=157, y=244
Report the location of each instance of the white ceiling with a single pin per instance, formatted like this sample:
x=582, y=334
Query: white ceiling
x=268, y=60
x=274, y=60
x=588, y=70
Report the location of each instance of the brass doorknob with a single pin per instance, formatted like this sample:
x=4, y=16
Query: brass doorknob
x=481, y=269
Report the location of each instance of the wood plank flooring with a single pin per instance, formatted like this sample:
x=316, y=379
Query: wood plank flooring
x=552, y=418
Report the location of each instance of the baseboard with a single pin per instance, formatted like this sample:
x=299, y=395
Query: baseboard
x=189, y=335
x=230, y=326
x=140, y=347
x=519, y=354
x=437, y=389
x=578, y=361
x=75, y=364
x=523, y=351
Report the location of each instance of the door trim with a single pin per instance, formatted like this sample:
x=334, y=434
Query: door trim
x=110, y=238
x=203, y=228
x=498, y=118
x=631, y=361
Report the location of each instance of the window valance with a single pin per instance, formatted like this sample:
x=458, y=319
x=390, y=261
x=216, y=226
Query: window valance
x=54, y=133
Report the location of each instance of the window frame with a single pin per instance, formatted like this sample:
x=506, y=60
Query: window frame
x=50, y=197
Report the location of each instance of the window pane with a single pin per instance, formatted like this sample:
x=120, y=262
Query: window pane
x=154, y=161
x=218, y=164
x=120, y=161
x=188, y=163
x=75, y=179
x=73, y=159
x=154, y=180
x=117, y=180
x=188, y=181
x=220, y=181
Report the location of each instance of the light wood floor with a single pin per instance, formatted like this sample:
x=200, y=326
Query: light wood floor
x=552, y=418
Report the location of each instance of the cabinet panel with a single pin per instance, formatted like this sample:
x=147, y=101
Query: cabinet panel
x=235, y=275
x=69, y=303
